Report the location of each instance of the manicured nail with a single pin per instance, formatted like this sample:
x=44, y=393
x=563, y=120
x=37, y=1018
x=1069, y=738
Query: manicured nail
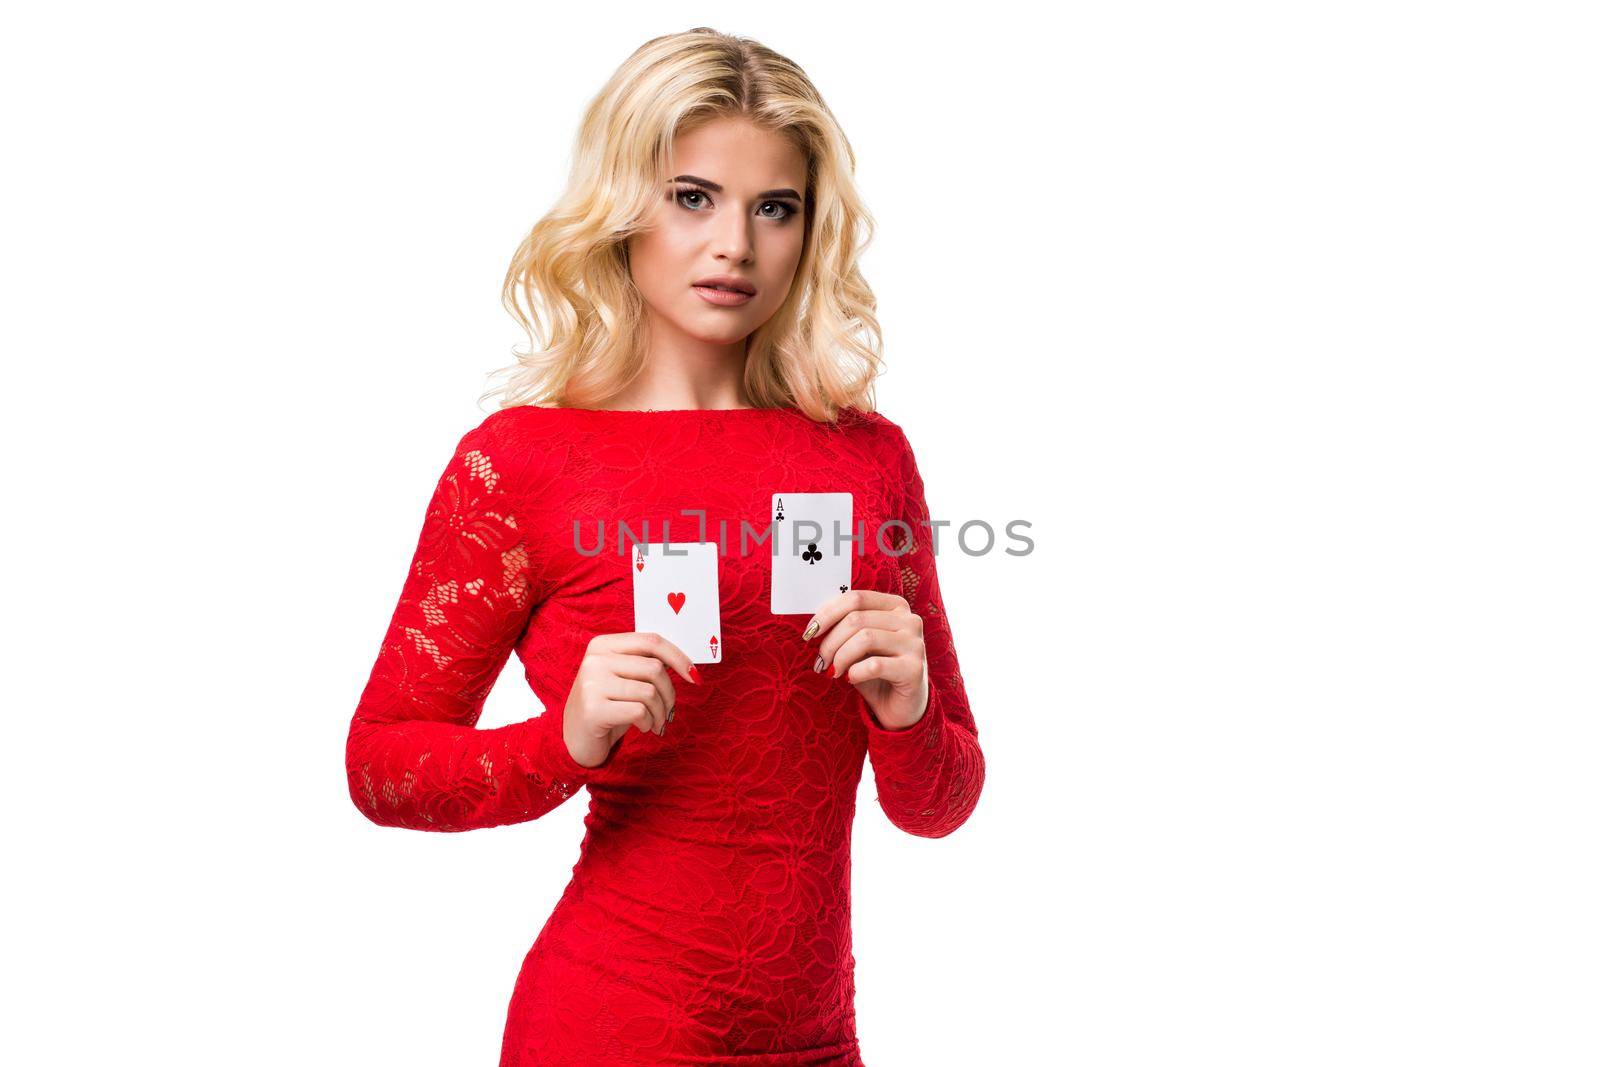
x=833, y=671
x=694, y=674
x=819, y=664
x=671, y=713
x=811, y=631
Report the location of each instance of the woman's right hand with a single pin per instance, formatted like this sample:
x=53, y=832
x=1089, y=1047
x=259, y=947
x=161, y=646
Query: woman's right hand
x=623, y=681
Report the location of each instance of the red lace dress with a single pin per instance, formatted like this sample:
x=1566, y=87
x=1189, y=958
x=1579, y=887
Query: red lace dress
x=707, y=920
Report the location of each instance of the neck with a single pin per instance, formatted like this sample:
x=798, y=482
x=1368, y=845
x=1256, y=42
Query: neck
x=684, y=372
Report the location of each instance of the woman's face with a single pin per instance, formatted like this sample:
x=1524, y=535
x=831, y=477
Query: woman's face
x=735, y=208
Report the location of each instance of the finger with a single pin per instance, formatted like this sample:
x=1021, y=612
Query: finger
x=898, y=671
x=645, y=669
x=631, y=690
x=846, y=627
x=839, y=605
x=895, y=644
x=648, y=644
x=633, y=713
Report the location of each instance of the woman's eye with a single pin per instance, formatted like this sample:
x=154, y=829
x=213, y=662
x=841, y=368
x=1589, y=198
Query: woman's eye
x=785, y=209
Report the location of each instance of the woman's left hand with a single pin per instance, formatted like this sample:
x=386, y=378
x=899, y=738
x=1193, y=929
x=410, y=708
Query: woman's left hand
x=875, y=641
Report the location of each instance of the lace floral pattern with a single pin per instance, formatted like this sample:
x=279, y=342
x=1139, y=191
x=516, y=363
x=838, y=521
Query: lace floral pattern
x=707, y=918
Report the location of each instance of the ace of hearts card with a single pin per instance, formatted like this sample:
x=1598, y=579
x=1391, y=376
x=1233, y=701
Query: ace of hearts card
x=675, y=595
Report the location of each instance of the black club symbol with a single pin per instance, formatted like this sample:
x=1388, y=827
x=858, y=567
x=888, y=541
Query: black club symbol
x=842, y=588
x=811, y=555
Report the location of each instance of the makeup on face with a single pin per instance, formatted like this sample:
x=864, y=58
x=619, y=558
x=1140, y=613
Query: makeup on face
x=729, y=290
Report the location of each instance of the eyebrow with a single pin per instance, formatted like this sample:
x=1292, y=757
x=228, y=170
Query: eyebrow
x=770, y=194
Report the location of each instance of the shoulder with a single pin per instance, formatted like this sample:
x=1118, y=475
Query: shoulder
x=882, y=434
x=884, y=438
x=514, y=429
x=507, y=447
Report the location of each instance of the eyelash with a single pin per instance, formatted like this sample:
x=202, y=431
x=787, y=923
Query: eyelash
x=789, y=212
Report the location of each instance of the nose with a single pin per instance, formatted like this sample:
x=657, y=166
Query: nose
x=732, y=238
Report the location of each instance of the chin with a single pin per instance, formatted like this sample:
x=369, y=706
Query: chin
x=725, y=337
x=728, y=330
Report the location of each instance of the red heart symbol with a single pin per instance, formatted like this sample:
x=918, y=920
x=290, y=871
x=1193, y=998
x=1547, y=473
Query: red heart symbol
x=676, y=600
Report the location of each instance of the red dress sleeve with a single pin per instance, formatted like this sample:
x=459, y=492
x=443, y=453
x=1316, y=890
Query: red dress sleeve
x=929, y=774
x=414, y=757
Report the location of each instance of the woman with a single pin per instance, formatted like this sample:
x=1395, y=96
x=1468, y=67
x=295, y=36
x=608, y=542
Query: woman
x=700, y=282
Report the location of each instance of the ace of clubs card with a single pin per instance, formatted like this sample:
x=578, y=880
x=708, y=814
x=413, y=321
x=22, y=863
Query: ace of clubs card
x=807, y=568
x=675, y=595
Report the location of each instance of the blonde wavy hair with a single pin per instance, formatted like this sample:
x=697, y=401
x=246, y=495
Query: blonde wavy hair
x=569, y=284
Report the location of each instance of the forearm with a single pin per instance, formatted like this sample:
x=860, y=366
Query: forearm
x=444, y=777
x=929, y=775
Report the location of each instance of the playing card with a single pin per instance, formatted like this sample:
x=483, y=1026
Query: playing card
x=807, y=566
x=675, y=595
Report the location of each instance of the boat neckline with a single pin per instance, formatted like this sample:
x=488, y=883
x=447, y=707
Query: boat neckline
x=667, y=411
x=698, y=414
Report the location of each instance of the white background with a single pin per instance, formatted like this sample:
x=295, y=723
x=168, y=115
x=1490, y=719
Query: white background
x=1278, y=322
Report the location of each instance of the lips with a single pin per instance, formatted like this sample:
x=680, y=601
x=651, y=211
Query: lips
x=727, y=283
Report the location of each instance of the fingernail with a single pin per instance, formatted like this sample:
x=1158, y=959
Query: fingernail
x=811, y=631
x=694, y=674
x=671, y=713
x=833, y=671
x=819, y=664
